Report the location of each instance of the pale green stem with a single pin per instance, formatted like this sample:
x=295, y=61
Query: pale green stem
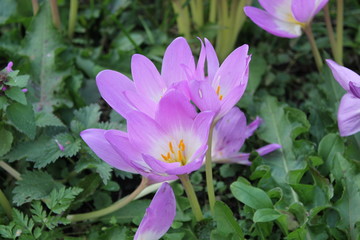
x=35, y=5
x=112, y=208
x=212, y=15
x=314, y=48
x=74, y=4
x=197, y=12
x=55, y=13
x=339, y=29
x=5, y=204
x=10, y=170
x=330, y=31
x=194, y=203
x=182, y=18
x=223, y=24
x=209, y=173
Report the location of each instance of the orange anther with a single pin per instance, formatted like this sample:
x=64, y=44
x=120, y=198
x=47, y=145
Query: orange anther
x=171, y=147
x=218, y=90
x=221, y=97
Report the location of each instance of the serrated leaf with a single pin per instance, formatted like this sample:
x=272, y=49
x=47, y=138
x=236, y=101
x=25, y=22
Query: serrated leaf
x=18, y=81
x=60, y=199
x=44, y=119
x=6, y=141
x=16, y=94
x=71, y=145
x=251, y=196
x=23, y=118
x=40, y=45
x=88, y=116
x=33, y=186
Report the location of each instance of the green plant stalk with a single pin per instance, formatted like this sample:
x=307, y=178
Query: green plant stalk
x=183, y=17
x=339, y=29
x=35, y=5
x=194, y=203
x=314, y=48
x=55, y=13
x=223, y=24
x=330, y=32
x=112, y=208
x=74, y=4
x=209, y=173
x=212, y=14
x=197, y=12
x=15, y=174
x=5, y=204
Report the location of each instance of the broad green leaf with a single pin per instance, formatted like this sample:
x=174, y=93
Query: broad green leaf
x=6, y=141
x=18, y=81
x=253, y=197
x=7, y=10
x=283, y=125
x=40, y=45
x=266, y=215
x=33, y=186
x=258, y=67
x=225, y=221
x=22, y=117
x=329, y=146
x=16, y=94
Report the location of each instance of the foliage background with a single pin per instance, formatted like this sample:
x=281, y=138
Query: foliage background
x=308, y=190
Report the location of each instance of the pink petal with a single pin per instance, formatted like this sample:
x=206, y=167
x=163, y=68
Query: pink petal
x=204, y=96
x=96, y=140
x=112, y=86
x=233, y=71
x=268, y=149
x=201, y=125
x=159, y=215
x=230, y=100
x=144, y=132
x=9, y=67
x=303, y=10
x=177, y=55
x=251, y=128
x=319, y=5
x=147, y=79
x=212, y=60
x=140, y=103
x=349, y=115
x=280, y=9
x=199, y=72
x=343, y=75
x=175, y=112
x=273, y=25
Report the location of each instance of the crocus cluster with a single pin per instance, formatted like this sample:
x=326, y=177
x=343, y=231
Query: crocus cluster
x=285, y=18
x=348, y=113
x=166, y=135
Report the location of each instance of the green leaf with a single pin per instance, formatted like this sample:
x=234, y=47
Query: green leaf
x=60, y=199
x=258, y=67
x=45, y=119
x=283, y=125
x=225, y=221
x=33, y=186
x=6, y=141
x=16, y=94
x=40, y=45
x=8, y=9
x=251, y=196
x=18, y=81
x=329, y=146
x=22, y=117
x=266, y=215
x=89, y=116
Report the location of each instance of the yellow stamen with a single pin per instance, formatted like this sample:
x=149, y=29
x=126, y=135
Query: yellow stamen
x=221, y=97
x=218, y=90
x=182, y=145
x=164, y=157
x=171, y=147
x=180, y=157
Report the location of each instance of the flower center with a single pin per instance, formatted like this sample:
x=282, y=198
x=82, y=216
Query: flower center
x=291, y=19
x=176, y=154
x=218, y=93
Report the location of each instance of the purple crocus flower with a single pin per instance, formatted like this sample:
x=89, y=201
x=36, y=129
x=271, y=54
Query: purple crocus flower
x=9, y=67
x=348, y=113
x=284, y=18
x=158, y=216
x=224, y=86
x=148, y=87
x=229, y=136
x=173, y=143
